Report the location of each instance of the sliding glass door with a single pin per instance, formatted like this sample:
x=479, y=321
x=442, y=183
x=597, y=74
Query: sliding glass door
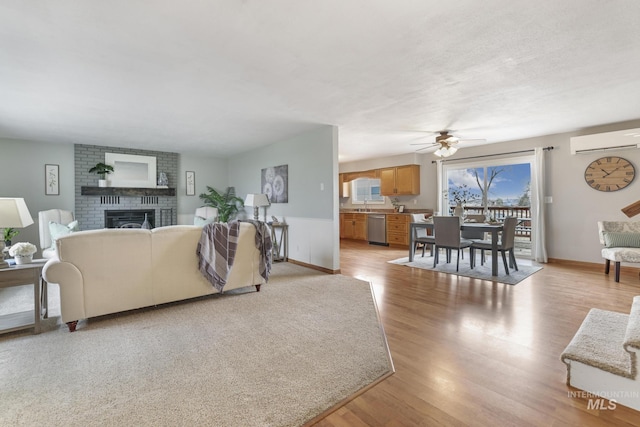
x=494, y=189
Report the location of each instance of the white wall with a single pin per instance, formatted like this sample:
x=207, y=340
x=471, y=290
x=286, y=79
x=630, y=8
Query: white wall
x=22, y=175
x=209, y=171
x=576, y=207
x=312, y=210
x=571, y=218
x=313, y=213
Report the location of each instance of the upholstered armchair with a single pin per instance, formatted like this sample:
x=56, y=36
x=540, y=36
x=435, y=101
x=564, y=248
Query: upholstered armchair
x=621, y=240
x=57, y=216
x=204, y=215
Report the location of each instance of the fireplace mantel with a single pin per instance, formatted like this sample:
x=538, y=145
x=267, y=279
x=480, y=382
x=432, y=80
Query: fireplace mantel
x=126, y=191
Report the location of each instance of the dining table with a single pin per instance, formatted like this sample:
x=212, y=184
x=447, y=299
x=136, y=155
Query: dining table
x=493, y=228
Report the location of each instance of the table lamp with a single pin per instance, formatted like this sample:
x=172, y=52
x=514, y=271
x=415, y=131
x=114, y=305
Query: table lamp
x=13, y=214
x=257, y=201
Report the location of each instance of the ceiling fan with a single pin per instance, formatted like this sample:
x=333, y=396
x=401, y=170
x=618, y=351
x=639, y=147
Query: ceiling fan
x=445, y=143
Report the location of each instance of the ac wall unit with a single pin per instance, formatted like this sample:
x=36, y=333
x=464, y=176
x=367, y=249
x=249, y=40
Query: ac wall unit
x=618, y=140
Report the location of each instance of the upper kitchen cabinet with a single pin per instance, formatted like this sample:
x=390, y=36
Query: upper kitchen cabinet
x=400, y=180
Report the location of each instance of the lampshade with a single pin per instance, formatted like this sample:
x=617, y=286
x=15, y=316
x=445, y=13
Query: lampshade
x=445, y=151
x=256, y=200
x=14, y=213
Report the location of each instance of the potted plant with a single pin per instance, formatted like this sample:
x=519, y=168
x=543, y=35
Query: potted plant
x=23, y=252
x=227, y=203
x=396, y=204
x=8, y=234
x=102, y=169
x=462, y=195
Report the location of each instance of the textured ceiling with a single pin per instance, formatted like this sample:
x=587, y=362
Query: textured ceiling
x=223, y=77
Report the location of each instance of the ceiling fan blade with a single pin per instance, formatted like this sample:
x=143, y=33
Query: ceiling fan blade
x=472, y=140
x=425, y=148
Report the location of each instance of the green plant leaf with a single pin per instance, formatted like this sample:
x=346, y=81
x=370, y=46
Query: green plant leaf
x=227, y=203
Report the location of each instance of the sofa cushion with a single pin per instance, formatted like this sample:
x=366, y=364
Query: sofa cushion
x=621, y=254
x=614, y=239
x=58, y=230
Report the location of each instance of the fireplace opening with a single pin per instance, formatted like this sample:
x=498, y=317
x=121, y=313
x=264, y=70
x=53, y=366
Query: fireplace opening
x=128, y=219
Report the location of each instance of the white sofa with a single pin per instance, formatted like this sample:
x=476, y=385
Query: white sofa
x=112, y=270
x=622, y=243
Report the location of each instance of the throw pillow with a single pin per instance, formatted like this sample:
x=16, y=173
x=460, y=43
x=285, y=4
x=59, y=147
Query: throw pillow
x=58, y=230
x=621, y=240
x=198, y=220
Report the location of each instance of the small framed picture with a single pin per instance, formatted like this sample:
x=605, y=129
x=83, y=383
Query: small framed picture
x=401, y=208
x=191, y=183
x=51, y=180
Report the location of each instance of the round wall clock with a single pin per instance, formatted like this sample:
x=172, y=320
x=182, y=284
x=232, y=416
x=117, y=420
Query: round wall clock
x=609, y=173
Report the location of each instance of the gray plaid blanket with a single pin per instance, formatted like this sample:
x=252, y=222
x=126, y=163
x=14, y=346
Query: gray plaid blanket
x=263, y=243
x=217, y=250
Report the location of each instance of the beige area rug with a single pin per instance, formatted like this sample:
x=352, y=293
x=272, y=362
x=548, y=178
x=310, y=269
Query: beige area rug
x=281, y=357
x=600, y=343
x=525, y=268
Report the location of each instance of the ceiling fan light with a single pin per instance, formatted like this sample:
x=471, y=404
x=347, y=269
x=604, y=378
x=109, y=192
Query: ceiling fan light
x=439, y=152
x=452, y=150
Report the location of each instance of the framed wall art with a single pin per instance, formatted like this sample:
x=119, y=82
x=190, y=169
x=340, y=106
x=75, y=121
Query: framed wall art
x=52, y=180
x=191, y=183
x=275, y=183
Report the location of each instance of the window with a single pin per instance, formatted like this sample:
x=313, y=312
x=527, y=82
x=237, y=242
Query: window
x=498, y=187
x=366, y=189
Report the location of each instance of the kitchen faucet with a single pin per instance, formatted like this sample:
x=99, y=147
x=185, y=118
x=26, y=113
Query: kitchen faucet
x=365, y=205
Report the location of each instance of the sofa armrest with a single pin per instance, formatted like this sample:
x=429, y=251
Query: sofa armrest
x=71, y=284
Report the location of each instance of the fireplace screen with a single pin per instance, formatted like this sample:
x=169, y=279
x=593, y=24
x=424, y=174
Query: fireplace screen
x=129, y=218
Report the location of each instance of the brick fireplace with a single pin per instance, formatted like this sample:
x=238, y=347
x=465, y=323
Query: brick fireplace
x=92, y=203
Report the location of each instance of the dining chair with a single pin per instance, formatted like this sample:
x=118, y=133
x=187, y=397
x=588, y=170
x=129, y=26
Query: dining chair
x=505, y=244
x=447, y=236
x=473, y=235
x=420, y=236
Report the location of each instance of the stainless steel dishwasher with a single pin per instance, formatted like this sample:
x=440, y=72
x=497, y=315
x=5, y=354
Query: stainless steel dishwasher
x=377, y=229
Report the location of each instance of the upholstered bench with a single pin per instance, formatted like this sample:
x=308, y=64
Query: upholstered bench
x=602, y=357
x=622, y=243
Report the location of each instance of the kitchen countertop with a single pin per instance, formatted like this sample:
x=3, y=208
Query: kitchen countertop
x=388, y=211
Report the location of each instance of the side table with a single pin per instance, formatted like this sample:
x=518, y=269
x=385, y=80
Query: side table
x=280, y=247
x=25, y=274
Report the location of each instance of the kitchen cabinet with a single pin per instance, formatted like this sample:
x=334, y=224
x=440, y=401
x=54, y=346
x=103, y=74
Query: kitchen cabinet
x=400, y=180
x=398, y=229
x=353, y=226
x=350, y=176
x=344, y=187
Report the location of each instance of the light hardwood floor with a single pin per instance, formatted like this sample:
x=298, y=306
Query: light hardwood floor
x=472, y=352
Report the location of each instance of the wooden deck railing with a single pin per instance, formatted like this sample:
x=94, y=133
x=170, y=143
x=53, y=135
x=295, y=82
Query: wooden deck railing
x=523, y=229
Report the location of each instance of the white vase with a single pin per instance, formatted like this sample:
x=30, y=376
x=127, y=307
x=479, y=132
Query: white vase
x=458, y=210
x=24, y=259
x=102, y=183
